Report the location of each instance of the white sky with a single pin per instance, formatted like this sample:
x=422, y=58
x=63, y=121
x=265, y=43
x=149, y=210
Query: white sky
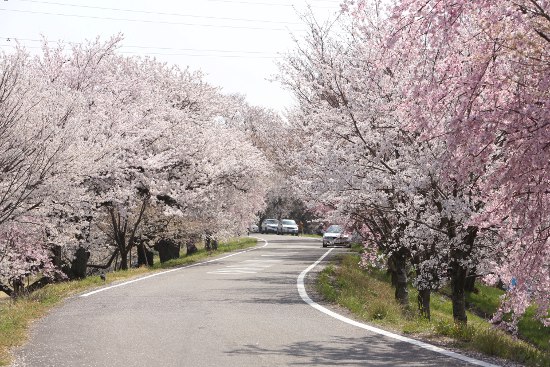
x=237, y=52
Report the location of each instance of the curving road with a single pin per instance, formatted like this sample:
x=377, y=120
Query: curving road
x=242, y=310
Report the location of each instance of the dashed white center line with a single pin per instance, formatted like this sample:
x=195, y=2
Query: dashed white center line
x=246, y=267
x=232, y=271
x=284, y=254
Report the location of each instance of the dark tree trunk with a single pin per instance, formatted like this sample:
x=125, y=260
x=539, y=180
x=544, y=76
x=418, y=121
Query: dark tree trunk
x=114, y=256
x=401, y=291
x=469, y=286
x=40, y=283
x=392, y=270
x=124, y=260
x=458, y=282
x=191, y=247
x=208, y=243
x=124, y=233
x=57, y=261
x=145, y=256
x=56, y=256
x=80, y=263
x=459, y=276
x=18, y=287
x=167, y=249
x=423, y=299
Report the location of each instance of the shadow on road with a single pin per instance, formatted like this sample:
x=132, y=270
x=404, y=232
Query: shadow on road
x=371, y=351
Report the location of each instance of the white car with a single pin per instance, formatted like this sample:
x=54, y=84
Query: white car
x=287, y=226
x=269, y=226
x=335, y=235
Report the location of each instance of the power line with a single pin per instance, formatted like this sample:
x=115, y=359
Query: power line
x=146, y=21
x=177, y=54
x=9, y=38
x=158, y=13
x=268, y=4
x=201, y=55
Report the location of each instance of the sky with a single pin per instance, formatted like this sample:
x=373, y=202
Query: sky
x=234, y=42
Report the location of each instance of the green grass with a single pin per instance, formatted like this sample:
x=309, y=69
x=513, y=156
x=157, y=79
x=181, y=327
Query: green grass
x=369, y=295
x=529, y=328
x=16, y=315
x=485, y=300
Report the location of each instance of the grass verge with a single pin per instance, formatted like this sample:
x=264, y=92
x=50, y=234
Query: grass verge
x=17, y=315
x=369, y=296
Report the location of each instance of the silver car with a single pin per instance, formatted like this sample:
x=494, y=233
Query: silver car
x=335, y=235
x=288, y=226
x=269, y=226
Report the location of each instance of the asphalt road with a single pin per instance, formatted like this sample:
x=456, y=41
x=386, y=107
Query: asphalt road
x=242, y=310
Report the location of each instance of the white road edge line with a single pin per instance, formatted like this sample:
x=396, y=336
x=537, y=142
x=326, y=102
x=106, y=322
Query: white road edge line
x=433, y=348
x=171, y=270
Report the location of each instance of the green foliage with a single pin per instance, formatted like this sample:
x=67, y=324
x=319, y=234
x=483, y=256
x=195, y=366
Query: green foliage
x=369, y=295
x=496, y=342
x=532, y=330
x=485, y=300
x=325, y=284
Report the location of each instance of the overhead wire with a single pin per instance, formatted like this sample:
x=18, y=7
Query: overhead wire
x=215, y=52
x=10, y=38
x=148, y=53
x=261, y=3
x=157, y=12
x=148, y=21
x=269, y=4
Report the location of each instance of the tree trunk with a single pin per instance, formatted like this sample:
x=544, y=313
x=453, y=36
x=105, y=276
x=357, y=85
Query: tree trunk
x=18, y=287
x=124, y=260
x=401, y=291
x=470, y=281
x=458, y=282
x=56, y=257
x=168, y=250
x=423, y=299
x=80, y=263
x=144, y=255
x=191, y=247
x=392, y=271
x=459, y=275
x=114, y=256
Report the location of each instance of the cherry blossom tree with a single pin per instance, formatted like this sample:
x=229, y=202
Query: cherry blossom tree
x=35, y=135
x=92, y=138
x=371, y=168
x=23, y=255
x=480, y=79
